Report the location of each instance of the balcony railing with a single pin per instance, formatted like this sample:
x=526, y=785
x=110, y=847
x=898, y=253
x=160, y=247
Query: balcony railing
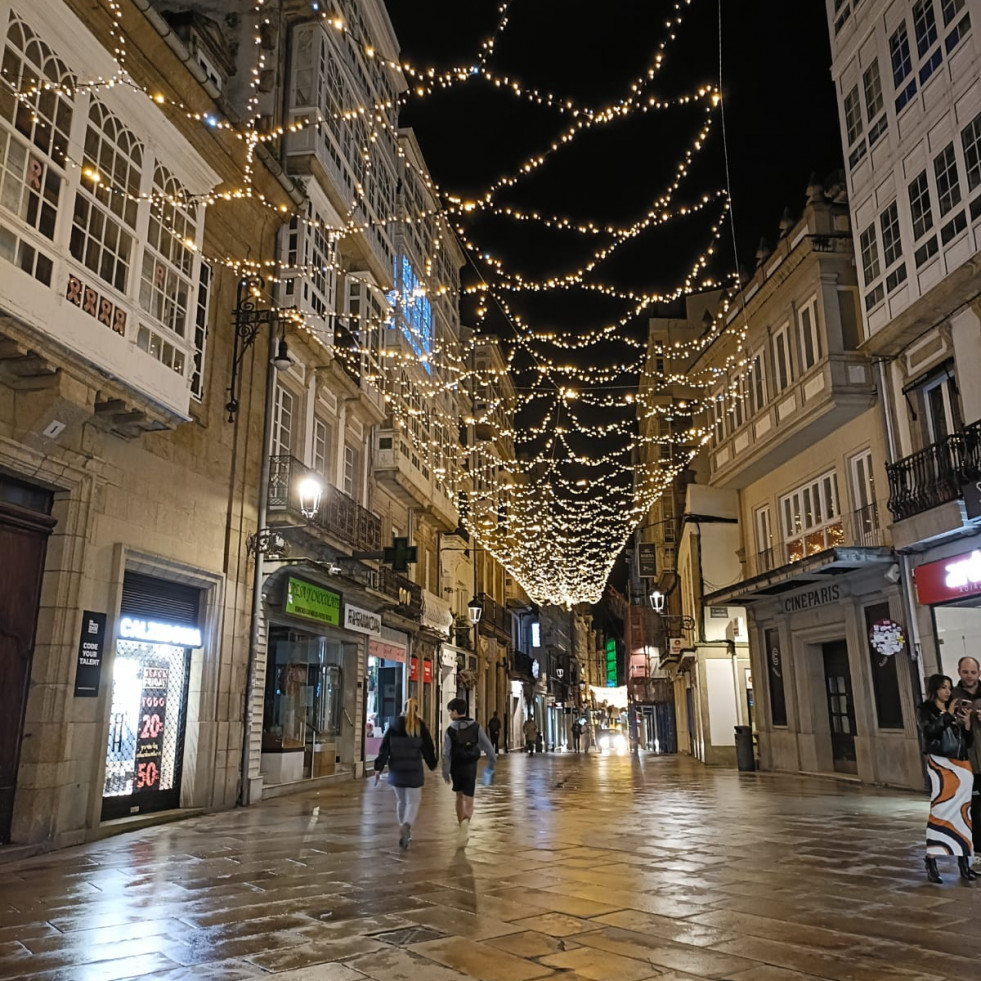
x=339, y=516
x=404, y=591
x=936, y=474
x=494, y=615
x=860, y=529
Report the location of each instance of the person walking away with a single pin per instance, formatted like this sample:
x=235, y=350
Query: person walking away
x=947, y=734
x=406, y=744
x=968, y=688
x=530, y=730
x=462, y=746
x=494, y=731
x=576, y=734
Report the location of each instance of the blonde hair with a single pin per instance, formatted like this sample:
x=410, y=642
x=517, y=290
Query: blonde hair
x=411, y=714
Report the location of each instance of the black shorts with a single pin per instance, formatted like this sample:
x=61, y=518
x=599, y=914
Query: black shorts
x=464, y=781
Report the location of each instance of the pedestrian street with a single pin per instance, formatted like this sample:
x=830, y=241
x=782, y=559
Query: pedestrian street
x=604, y=868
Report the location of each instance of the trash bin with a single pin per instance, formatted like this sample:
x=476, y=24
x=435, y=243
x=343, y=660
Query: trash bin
x=745, y=758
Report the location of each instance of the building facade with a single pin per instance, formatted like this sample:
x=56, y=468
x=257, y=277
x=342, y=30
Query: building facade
x=906, y=76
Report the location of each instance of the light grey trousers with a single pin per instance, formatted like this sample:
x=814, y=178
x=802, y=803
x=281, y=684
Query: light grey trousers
x=407, y=801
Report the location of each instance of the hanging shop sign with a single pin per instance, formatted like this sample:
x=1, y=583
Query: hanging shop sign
x=362, y=621
x=647, y=560
x=312, y=602
x=155, y=632
x=414, y=669
x=948, y=579
x=427, y=672
x=886, y=638
x=91, y=644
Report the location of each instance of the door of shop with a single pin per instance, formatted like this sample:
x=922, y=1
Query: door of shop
x=23, y=542
x=841, y=706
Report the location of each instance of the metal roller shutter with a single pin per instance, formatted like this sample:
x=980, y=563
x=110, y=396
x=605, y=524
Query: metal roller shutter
x=160, y=599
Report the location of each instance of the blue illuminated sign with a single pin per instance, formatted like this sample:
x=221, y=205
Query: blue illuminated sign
x=416, y=323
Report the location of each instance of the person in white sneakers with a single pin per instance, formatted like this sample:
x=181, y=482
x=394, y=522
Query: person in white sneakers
x=462, y=746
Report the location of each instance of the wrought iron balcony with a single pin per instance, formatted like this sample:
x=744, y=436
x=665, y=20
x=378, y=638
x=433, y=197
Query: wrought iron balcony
x=860, y=529
x=935, y=474
x=404, y=591
x=340, y=516
x=494, y=615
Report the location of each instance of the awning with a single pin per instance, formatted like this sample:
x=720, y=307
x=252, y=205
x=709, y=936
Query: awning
x=818, y=570
x=436, y=614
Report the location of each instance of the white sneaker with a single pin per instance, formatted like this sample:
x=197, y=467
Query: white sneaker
x=463, y=833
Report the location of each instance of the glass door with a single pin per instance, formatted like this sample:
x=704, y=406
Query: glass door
x=841, y=706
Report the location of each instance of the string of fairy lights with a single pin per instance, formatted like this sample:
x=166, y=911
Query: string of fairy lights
x=578, y=435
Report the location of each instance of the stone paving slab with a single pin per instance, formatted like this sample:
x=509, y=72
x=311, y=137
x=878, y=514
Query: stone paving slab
x=578, y=869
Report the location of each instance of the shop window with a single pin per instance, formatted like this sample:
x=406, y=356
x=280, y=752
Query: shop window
x=885, y=675
x=775, y=676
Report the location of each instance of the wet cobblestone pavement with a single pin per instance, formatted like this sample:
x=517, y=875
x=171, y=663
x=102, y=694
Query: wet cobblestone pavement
x=578, y=868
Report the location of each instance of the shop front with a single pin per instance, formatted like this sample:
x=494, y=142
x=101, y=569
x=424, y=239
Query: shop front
x=950, y=589
x=385, y=693
x=832, y=675
x=309, y=684
x=158, y=630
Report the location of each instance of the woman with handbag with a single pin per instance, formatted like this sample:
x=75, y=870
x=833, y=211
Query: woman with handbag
x=947, y=734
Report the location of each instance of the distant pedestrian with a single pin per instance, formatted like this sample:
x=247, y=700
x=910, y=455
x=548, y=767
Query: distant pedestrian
x=947, y=735
x=968, y=688
x=576, y=734
x=462, y=745
x=494, y=730
x=407, y=743
x=530, y=730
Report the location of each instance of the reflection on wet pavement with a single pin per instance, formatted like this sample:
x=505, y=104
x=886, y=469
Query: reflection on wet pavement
x=577, y=868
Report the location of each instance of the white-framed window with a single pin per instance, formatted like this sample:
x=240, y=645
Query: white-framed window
x=763, y=523
x=924, y=26
x=892, y=247
x=874, y=102
x=869, y=247
x=866, y=509
x=105, y=215
x=719, y=414
x=201, y=330
x=811, y=517
x=810, y=334
x=738, y=401
x=943, y=414
x=323, y=441
x=781, y=358
x=284, y=422
x=919, y=204
x=853, y=116
x=166, y=284
x=757, y=381
x=948, y=184
x=971, y=141
x=352, y=471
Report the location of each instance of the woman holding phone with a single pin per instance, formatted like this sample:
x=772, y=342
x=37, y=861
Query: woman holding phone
x=947, y=737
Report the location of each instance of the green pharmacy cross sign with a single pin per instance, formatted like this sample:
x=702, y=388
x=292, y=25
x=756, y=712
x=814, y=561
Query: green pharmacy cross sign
x=611, y=662
x=312, y=602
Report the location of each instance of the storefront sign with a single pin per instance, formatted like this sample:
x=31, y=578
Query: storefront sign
x=362, y=621
x=427, y=672
x=149, y=734
x=647, y=560
x=820, y=596
x=675, y=646
x=948, y=579
x=312, y=602
x=388, y=652
x=91, y=644
x=155, y=632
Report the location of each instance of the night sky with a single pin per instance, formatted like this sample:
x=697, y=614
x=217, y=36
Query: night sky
x=780, y=119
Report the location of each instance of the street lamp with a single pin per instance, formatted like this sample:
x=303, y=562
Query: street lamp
x=657, y=599
x=474, y=609
x=310, y=491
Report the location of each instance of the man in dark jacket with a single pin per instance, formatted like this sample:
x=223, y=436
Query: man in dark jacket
x=462, y=745
x=969, y=688
x=494, y=730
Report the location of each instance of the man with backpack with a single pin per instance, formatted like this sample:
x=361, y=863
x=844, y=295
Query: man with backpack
x=462, y=745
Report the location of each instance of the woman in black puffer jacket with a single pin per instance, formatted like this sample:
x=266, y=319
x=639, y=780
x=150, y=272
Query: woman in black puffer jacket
x=406, y=744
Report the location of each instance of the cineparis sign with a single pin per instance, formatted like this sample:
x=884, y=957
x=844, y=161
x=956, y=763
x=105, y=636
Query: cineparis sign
x=154, y=632
x=362, y=621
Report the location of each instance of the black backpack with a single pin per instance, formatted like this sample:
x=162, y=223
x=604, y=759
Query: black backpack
x=466, y=746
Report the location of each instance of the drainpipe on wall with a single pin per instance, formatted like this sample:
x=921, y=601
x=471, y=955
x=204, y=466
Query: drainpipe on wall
x=258, y=576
